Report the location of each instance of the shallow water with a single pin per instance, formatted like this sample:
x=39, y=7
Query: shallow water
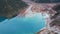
x=22, y=25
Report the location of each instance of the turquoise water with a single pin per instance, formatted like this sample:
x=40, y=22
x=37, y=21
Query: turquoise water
x=22, y=25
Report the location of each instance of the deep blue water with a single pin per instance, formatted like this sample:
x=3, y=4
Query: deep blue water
x=2, y=18
x=22, y=25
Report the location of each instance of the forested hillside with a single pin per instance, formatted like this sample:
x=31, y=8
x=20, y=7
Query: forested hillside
x=9, y=8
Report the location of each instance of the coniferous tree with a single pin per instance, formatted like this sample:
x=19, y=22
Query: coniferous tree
x=9, y=8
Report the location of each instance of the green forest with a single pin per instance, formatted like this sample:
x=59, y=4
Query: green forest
x=9, y=8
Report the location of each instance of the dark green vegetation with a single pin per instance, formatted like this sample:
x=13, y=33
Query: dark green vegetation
x=46, y=1
x=9, y=8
